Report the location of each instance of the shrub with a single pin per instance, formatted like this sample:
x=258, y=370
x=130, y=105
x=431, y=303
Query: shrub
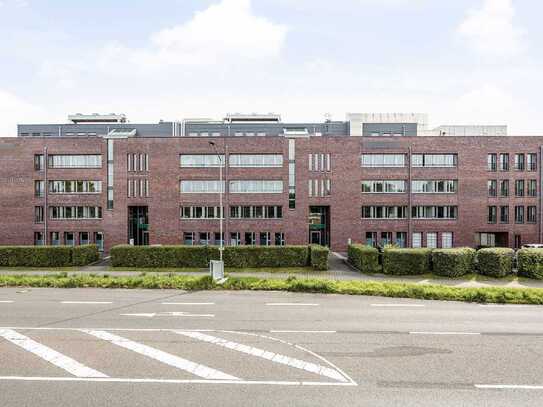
x=530, y=263
x=495, y=262
x=407, y=261
x=265, y=256
x=453, y=262
x=35, y=256
x=159, y=256
x=319, y=257
x=85, y=254
x=364, y=258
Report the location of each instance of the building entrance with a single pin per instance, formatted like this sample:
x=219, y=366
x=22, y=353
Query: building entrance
x=138, y=225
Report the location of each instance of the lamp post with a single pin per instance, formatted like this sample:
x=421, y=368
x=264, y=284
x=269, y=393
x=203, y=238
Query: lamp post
x=221, y=209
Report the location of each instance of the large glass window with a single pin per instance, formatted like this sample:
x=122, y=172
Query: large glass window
x=201, y=187
x=492, y=159
x=255, y=160
x=434, y=186
x=384, y=212
x=492, y=213
x=504, y=214
x=256, y=212
x=431, y=240
x=532, y=187
x=434, y=160
x=531, y=162
x=504, y=187
x=75, y=161
x=434, y=212
x=492, y=187
x=201, y=160
x=383, y=160
x=75, y=187
x=38, y=214
x=75, y=212
x=504, y=162
x=256, y=187
x=446, y=240
x=383, y=186
x=38, y=162
x=200, y=212
x=531, y=215
x=519, y=214
x=39, y=189
x=416, y=240
x=519, y=162
x=519, y=187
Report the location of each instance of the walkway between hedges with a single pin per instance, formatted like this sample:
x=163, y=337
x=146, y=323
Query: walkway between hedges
x=339, y=270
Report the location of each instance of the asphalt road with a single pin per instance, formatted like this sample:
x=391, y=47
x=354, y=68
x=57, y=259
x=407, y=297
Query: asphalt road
x=92, y=347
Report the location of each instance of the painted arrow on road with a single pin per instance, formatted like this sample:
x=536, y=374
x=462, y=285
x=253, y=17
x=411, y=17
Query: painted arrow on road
x=168, y=314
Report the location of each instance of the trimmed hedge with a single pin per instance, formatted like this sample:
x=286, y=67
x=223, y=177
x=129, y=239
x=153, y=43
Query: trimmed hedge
x=85, y=254
x=199, y=256
x=453, y=262
x=496, y=261
x=407, y=261
x=319, y=257
x=47, y=256
x=364, y=258
x=530, y=263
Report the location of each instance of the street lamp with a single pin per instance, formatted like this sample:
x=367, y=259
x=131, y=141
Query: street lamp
x=221, y=191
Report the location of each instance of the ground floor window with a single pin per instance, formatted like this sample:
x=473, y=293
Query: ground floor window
x=401, y=239
x=235, y=239
x=83, y=238
x=38, y=239
x=447, y=240
x=279, y=239
x=250, y=238
x=188, y=238
x=431, y=240
x=371, y=239
x=417, y=240
x=69, y=239
x=205, y=238
x=265, y=238
x=99, y=240
x=54, y=238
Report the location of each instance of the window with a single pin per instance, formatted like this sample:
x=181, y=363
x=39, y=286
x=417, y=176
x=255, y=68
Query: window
x=485, y=239
x=383, y=160
x=531, y=162
x=256, y=187
x=219, y=239
x=504, y=187
x=384, y=212
x=383, y=186
x=386, y=238
x=492, y=162
x=504, y=214
x=204, y=238
x=417, y=240
x=519, y=187
x=371, y=239
x=434, y=186
x=99, y=240
x=279, y=239
x=200, y=212
x=235, y=239
x=69, y=239
x=265, y=239
x=137, y=162
x=39, y=163
x=519, y=214
x=75, y=187
x=38, y=214
x=250, y=238
x=75, y=161
x=491, y=218
x=75, y=212
x=84, y=238
x=492, y=187
x=255, y=160
x=504, y=162
x=39, y=189
x=519, y=162
x=292, y=173
x=256, y=212
x=319, y=162
x=201, y=160
x=446, y=240
x=431, y=240
x=320, y=188
x=434, y=160
x=55, y=238
x=38, y=239
x=434, y=212
x=188, y=238
x=531, y=214
x=532, y=187
x=401, y=239
x=201, y=187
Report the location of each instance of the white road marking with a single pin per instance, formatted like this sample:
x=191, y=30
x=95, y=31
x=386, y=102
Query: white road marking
x=301, y=332
x=509, y=386
x=174, y=381
x=506, y=305
x=161, y=356
x=86, y=302
x=168, y=314
x=52, y=356
x=271, y=356
x=444, y=333
x=188, y=303
x=6, y=302
x=289, y=304
x=396, y=305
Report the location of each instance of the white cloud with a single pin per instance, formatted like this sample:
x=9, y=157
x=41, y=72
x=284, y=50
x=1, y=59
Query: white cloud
x=490, y=29
x=226, y=33
x=14, y=110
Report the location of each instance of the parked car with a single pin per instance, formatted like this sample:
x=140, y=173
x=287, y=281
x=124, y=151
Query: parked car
x=532, y=246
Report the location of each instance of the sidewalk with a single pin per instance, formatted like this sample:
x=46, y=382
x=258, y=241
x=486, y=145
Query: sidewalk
x=339, y=270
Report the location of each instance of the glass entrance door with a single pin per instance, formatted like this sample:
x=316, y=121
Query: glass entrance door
x=316, y=237
x=138, y=225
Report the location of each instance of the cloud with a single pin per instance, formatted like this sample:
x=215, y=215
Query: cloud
x=225, y=33
x=14, y=110
x=490, y=29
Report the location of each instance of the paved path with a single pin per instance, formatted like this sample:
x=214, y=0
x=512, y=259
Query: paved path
x=116, y=348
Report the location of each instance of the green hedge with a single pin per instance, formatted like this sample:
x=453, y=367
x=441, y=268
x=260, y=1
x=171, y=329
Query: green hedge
x=319, y=257
x=495, y=262
x=47, y=256
x=530, y=263
x=364, y=258
x=85, y=254
x=199, y=256
x=453, y=262
x=407, y=261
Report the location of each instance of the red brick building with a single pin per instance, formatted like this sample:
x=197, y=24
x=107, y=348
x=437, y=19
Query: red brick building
x=290, y=188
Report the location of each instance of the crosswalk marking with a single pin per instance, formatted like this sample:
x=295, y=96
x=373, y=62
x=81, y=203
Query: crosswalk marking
x=52, y=356
x=261, y=353
x=161, y=356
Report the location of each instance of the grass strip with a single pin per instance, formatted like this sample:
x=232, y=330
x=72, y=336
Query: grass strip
x=371, y=288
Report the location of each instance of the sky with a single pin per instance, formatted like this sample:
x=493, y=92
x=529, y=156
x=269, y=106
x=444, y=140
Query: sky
x=461, y=61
